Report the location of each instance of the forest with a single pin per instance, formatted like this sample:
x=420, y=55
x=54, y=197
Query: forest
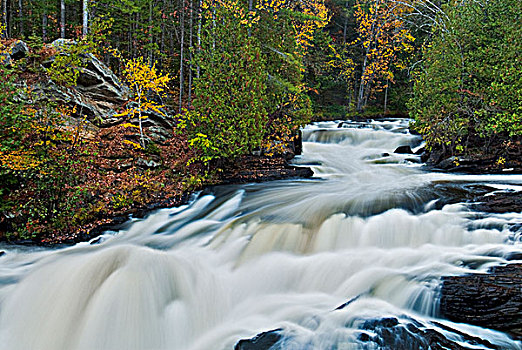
x=111, y=107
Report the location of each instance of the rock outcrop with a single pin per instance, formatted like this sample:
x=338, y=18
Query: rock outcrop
x=14, y=52
x=98, y=95
x=491, y=300
x=260, y=169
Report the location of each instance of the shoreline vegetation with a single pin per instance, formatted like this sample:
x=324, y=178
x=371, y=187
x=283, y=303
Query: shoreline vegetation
x=109, y=108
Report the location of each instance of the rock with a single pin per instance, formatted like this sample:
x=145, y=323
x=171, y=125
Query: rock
x=60, y=44
x=158, y=134
x=491, y=300
x=147, y=164
x=403, y=150
x=435, y=156
x=260, y=169
x=414, y=132
x=150, y=118
x=262, y=341
x=117, y=223
x=500, y=202
x=340, y=307
x=18, y=50
x=425, y=156
x=447, y=163
x=389, y=333
x=97, y=241
x=98, y=95
x=2, y=253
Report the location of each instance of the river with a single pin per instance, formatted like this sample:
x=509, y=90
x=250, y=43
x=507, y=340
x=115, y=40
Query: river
x=329, y=261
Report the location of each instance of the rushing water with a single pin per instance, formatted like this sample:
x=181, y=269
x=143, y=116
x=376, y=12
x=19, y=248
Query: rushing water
x=371, y=228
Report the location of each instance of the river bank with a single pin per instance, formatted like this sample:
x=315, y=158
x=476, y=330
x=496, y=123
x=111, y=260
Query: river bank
x=245, y=169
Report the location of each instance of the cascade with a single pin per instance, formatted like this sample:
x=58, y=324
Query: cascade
x=331, y=262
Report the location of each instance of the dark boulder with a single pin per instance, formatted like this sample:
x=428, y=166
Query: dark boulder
x=262, y=341
x=425, y=156
x=403, y=150
x=414, y=132
x=436, y=155
x=18, y=50
x=491, y=300
x=390, y=333
x=298, y=143
x=447, y=163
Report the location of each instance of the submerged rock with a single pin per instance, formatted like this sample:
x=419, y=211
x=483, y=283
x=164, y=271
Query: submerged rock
x=390, y=333
x=262, y=341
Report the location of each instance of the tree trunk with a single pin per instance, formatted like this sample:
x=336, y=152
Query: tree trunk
x=250, y=6
x=360, y=96
x=190, y=53
x=85, y=22
x=182, y=41
x=21, y=17
x=142, y=138
x=151, y=39
x=200, y=20
x=62, y=19
x=129, y=35
x=162, y=37
x=44, y=26
x=10, y=16
x=4, y=19
x=345, y=26
x=386, y=95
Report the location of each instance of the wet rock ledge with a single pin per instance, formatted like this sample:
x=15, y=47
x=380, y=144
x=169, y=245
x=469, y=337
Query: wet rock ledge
x=492, y=300
x=260, y=169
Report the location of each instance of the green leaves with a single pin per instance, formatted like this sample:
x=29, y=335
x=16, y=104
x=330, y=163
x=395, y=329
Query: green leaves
x=471, y=80
x=229, y=117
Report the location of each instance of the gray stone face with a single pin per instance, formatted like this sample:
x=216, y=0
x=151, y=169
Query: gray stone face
x=18, y=50
x=98, y=96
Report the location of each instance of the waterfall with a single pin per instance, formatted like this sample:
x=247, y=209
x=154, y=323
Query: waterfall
x=326, y=260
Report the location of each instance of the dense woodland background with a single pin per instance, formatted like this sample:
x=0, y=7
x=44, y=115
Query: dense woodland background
x=229, y=78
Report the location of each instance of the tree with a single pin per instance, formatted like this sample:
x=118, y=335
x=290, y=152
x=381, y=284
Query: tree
x=85, y=17
x=382, y=36
x=145, y=82
x=470, y=80
x=229, y=102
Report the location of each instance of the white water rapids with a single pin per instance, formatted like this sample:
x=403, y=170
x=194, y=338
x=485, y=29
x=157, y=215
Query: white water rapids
x=371, y=228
